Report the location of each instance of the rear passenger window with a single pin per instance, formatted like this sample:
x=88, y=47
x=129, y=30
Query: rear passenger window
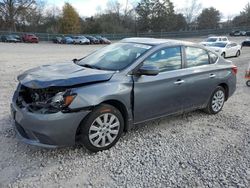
x=196, y=57
x=213, y=58
x=166, y=59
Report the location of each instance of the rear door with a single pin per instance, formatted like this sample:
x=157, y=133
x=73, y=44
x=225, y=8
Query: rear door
x=229, y=50
x=234, y=48
x=162, y=94
x=199, y=77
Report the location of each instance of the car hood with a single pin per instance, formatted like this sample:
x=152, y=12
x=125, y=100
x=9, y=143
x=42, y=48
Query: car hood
x=62, y=75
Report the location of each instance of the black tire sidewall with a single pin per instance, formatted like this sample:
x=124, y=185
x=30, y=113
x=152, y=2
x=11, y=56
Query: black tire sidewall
x=248, y=83
x=87, y=122
x=209, y=107
x=238, y=53
x=223, y=55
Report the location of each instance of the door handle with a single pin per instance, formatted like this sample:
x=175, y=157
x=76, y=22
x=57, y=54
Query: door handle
x=212, y=76
x=179, y=82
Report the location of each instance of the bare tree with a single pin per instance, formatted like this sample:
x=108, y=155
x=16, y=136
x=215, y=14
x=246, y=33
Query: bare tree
x=11, y=10
x=192, y=10
x=113, y=6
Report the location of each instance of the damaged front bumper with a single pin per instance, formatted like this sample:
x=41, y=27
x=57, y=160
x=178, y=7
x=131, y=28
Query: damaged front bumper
x=46, y=130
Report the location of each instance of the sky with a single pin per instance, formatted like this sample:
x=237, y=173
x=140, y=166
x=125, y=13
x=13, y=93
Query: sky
x=228, y=8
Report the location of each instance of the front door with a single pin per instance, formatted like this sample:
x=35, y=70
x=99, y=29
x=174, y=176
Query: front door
x=159, y=95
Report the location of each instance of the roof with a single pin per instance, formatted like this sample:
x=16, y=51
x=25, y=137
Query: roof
x=155, y=41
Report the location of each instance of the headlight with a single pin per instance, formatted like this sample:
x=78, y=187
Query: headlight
x=62, y=99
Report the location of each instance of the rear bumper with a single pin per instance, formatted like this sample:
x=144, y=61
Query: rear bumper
x=46, y=130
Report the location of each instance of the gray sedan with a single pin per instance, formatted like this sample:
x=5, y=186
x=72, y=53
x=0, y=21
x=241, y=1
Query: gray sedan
x=93, y=100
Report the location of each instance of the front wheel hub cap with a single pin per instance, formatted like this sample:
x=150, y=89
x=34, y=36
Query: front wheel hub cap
x=104, y=130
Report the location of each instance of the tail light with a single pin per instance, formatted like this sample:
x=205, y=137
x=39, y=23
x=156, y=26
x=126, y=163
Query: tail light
x=235, y=69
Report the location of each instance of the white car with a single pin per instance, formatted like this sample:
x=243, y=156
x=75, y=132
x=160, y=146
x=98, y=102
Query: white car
x=226, y=49
x=80, y=40
x=211, y=40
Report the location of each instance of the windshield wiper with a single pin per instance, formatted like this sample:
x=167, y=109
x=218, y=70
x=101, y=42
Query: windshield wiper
x=90, y=66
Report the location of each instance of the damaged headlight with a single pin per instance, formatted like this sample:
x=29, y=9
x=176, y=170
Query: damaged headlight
x=62, y=99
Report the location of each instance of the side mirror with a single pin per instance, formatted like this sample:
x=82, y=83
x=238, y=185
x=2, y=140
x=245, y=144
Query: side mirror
x=148, y=70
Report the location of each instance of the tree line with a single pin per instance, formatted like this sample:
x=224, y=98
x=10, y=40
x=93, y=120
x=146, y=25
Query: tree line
x=144, y=16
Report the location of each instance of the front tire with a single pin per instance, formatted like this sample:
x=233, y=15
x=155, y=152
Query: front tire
x=223, y=55
x=216, y=101
x=102, y=128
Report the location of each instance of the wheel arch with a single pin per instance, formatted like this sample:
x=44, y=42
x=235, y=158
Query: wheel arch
x=122, y=108
x=226, y=88
x=115, y=103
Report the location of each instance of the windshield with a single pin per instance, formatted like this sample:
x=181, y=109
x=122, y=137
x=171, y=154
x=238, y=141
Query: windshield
x=115, y=56
x=211, y=40
x=219, y=44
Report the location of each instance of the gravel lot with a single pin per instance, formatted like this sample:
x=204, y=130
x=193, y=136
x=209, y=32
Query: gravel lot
x=190, y=150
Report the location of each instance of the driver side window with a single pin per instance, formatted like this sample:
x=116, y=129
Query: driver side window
x=167, y=59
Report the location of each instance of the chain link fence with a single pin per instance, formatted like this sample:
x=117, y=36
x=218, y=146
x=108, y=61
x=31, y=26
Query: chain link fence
x=118, y=36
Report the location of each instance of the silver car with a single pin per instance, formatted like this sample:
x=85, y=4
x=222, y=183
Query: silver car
x=93, y=100
x=80, y=40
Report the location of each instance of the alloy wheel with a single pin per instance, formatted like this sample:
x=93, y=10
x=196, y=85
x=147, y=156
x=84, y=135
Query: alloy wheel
x=218, y=100
x=104, y=130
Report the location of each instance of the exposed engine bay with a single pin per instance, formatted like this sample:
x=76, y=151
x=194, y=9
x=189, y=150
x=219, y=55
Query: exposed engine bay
x=44, y=101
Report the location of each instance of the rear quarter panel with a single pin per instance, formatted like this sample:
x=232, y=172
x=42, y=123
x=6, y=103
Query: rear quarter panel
x=224, y=75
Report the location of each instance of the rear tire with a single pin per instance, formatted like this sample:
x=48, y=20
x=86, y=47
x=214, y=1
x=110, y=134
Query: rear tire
x=216, y=101
x=102, y=128
x=223, y=55
x=248, y=83
x=238, y=53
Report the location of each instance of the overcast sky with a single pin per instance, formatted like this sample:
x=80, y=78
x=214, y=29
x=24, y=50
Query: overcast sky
x=90, y=7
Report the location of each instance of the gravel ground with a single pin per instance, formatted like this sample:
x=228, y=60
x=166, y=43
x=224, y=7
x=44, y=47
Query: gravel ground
x=190, y=150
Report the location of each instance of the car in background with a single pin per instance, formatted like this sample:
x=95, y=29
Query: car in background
x=30, y=38
x=246, y=42
x=9, y=38
x=225, y=49
x=67, y=40
x=93, y=40
x=238, y=33
x=80, y=40
x=248, y=33
x=57, y=40
x=18, y=38
x=93, y=100
x=103, y=40
x=214, y=39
